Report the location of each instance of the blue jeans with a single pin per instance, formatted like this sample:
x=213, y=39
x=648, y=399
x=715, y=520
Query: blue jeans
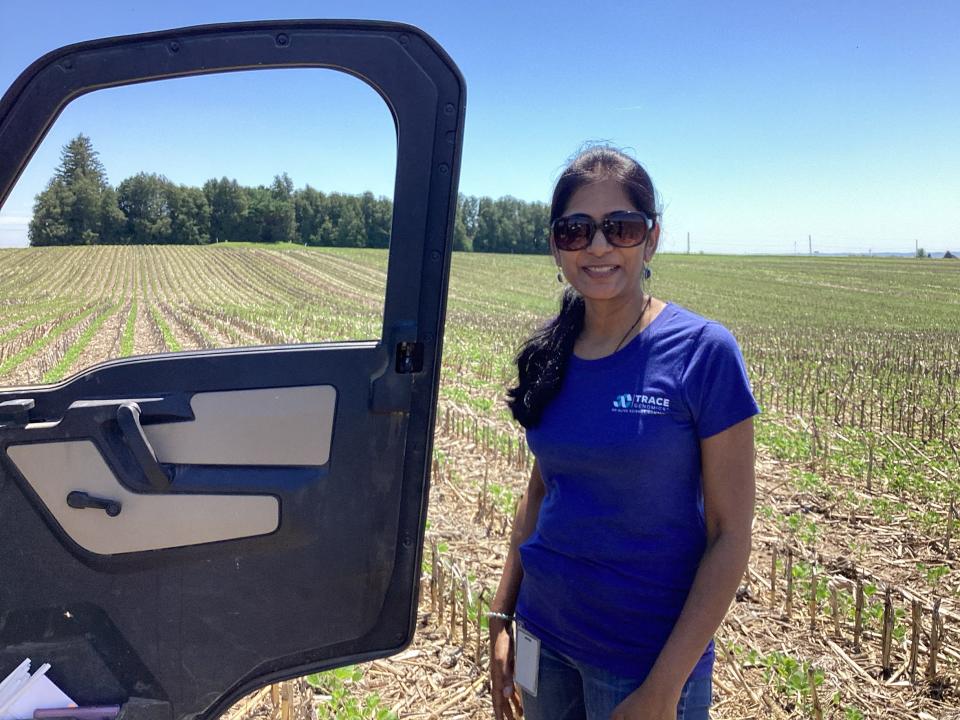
x=571, y=690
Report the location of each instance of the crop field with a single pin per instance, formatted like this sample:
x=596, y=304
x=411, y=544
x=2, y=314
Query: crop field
x=851, y=605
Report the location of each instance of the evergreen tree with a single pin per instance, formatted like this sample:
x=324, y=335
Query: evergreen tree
x=75, y=208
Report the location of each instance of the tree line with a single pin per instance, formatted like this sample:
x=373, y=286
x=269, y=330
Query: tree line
x=80, y=207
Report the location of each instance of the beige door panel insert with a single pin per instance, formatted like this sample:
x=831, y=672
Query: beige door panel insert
x=146, y=521
x=271, y=426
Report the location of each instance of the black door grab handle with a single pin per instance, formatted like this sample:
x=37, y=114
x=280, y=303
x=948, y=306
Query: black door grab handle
x=81, y=500
x=128, y=416
x=16, y=412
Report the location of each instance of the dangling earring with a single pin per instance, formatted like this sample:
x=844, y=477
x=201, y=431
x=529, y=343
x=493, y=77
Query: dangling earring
x=559, y=277
x=646, y=273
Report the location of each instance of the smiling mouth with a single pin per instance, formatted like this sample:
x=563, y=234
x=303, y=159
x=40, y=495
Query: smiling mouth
x=600, y=271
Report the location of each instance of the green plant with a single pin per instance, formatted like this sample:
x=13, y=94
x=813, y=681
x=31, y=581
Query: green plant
x=338, y=698
x=789, y=675
x=933, y=573
x=802, y=528
x=807, y=481
x=503, y=497
x=173, y=345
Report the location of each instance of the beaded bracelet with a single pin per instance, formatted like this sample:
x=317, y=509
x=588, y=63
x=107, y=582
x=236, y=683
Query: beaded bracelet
x=500, y=616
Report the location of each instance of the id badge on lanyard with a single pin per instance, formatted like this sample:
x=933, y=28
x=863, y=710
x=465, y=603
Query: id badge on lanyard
x=526, y=664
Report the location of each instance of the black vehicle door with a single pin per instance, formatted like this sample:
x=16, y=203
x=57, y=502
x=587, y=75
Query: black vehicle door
x=179, y=529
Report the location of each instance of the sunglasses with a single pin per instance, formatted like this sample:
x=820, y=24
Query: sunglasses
x=621, y=229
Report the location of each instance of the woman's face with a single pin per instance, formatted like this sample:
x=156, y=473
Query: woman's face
x=601, y=271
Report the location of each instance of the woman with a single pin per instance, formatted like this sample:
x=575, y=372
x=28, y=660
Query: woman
x=634, y=532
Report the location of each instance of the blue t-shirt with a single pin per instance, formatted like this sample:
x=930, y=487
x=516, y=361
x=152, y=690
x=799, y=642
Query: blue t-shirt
x=621, y=529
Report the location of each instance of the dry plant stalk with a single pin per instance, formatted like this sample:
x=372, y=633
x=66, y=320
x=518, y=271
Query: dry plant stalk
x=915, y=620
x=887, y=639
x=453, y=605
x=773, y=576
x=814, y=583
x=434, y=570
x=935, y=626
x=858, y=617
x=481, y=605
x=789, y=604
x=950, y=516
x=482, y=497
x=815, y=445
x=286, y=700
x=835, y=611
x=465, y=617
x=812, y=681
x=441, y=596
x=275, y=700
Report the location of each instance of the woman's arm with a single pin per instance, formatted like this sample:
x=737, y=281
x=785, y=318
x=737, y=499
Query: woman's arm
x=728, y=494
x=505, y=600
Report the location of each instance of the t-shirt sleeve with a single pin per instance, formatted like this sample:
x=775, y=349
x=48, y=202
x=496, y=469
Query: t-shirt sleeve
x=715, y=382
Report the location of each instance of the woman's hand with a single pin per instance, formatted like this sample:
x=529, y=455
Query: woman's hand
x=648, y=702
x=506, y=695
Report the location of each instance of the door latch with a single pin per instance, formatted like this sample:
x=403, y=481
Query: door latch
x=409, y=357
x=403, y=356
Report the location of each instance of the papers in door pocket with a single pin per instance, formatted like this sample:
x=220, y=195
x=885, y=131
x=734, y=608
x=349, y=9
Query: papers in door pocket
x=22, y=692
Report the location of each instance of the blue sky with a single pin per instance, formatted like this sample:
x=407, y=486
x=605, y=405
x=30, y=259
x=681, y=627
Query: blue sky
x=761, y=123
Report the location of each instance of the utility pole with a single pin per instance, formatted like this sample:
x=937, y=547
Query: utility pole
x=794, y=247
x=688, y=243
x=810, y=243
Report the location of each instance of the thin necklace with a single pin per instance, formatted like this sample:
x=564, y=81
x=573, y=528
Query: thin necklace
x=635, y=322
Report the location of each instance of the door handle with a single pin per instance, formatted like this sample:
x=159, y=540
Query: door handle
x=81, y=501
x=128, y=417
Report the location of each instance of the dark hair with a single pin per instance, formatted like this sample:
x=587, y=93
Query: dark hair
x=542, y=360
